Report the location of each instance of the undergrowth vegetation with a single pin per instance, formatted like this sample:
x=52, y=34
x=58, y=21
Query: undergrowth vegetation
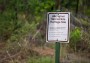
x=40, y=60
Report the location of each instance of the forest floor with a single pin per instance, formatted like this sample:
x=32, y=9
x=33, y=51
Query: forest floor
x=47, y=51
x=67, y=58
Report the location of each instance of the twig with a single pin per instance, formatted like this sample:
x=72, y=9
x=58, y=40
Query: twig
x=10, y=56
x=37, y=32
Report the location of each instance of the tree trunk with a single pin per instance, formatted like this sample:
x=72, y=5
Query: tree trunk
x=57, y=5
x=77, y=7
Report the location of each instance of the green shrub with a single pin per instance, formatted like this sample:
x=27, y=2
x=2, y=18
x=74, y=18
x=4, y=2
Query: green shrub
x=75, y=38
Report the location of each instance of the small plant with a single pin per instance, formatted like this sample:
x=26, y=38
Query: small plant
x=75, y=38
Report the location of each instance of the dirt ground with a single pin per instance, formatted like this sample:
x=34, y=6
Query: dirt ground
x=47, y=51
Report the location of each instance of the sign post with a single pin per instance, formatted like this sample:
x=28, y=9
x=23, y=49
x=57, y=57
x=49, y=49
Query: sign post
x=58, y=27
x=57, y=52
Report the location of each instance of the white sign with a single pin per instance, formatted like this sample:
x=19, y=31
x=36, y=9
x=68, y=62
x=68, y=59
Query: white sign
x=58, y=27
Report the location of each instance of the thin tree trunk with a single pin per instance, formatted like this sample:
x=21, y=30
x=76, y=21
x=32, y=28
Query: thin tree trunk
x=77, y=7
x=57, y=5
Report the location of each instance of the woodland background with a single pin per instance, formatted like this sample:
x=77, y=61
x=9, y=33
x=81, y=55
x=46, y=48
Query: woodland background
x=23, y=31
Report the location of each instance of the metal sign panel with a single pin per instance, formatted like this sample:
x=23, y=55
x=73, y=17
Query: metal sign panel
x=58, y=27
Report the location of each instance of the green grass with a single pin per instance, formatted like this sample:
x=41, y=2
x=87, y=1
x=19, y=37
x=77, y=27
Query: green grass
x=40, y=60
